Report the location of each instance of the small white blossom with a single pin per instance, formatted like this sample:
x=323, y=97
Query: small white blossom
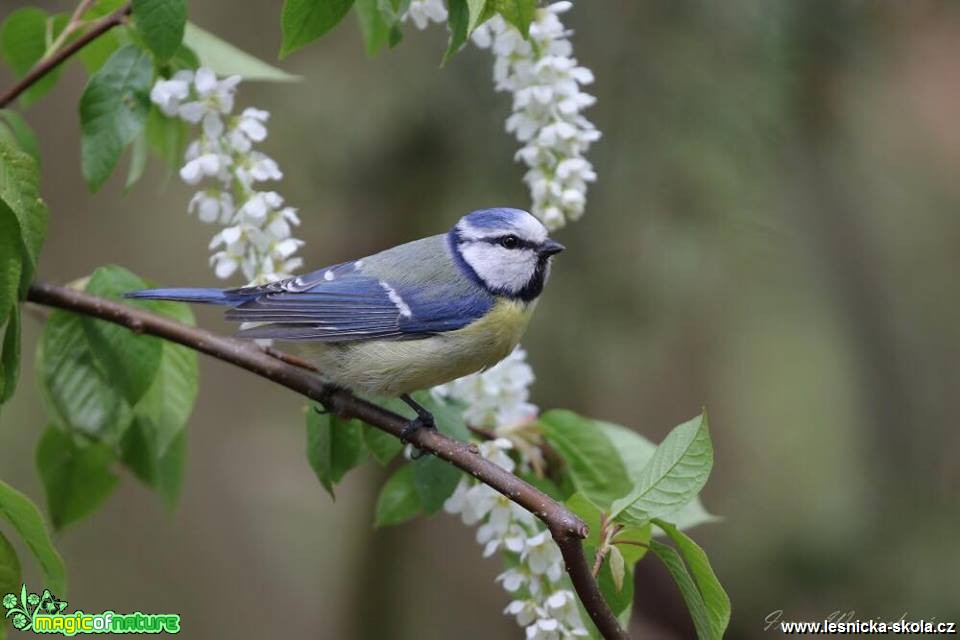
x=423, y=12
x=496, y=397
x=256, y=239
x=545, y=83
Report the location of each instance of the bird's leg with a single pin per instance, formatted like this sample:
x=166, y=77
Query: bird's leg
x=424, y=420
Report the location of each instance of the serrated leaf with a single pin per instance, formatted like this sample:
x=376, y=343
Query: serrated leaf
x=19, y=190
x=674, y=475
x=24, y=38
x=716, y=603
x=130, y=361
x=161, y=23
x=375, y=30
x=25, y=518
x=77, y=479
x=22, y=135
x=303, y=21
x=77, y=392
x=635, y=451
x=592, y=461
x=399, y=500
x=688, y=589
x=334, y=446
x=227, y=60
x=113, y=111
x=10, y=356
x=11, y=261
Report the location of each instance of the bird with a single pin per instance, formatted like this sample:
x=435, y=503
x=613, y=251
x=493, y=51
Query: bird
x=408, y=318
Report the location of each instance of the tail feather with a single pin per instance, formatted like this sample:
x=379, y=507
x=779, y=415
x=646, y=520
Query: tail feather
x=198, y=295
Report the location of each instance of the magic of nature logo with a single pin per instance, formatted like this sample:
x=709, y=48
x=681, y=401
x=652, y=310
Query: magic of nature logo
x=44, y=613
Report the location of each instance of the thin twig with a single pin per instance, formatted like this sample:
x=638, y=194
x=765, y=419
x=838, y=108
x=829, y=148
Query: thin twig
x=565, y=527
x=47, y=65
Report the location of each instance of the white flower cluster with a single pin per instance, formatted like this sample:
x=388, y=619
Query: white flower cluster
x=496, y=397
x=542, y=604
x=545, y=81
x=423, y=12
x=256, y=238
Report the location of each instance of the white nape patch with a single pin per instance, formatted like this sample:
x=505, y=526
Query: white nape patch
x=328, y=275
x=523, y=225
x=500, y=268
x=396, y=300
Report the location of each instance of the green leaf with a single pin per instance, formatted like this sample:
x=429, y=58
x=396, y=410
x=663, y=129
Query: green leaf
x=11, y=577
x=591, y=459
x=95, y=54
x=77, y=478
x=381, y=445
x=25, y=518
x=303, y=21
x=10, y=261
x=457, y=22
x=22, y=134
x=77, y=392
x=399, y=500
x=138, y=161
x=160, y=471
x=674, y=475
x=617, y=598
x=24, y=38
x=161, y=23
x=373, y=27
x=128, y=359
x=688, y=589
x=113, y=111
x=480, y=12
x=434, y=480
x=19, y=190
x=519, y=13
x=617, y=567
x=715, y=601
x=635, y=451
x=10, y=356
x=167, y=137
x=227, y=60
x=334, y=446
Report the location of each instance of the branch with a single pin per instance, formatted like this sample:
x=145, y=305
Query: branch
x=48, y=64
x=565, y=527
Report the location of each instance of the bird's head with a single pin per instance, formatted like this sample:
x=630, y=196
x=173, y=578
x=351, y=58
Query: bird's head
x=506, y=251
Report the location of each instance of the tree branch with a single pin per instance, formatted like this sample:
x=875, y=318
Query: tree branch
x=565, y=527
x=48, y=64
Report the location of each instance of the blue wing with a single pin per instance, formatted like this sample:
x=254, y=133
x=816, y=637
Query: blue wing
x=344, y=303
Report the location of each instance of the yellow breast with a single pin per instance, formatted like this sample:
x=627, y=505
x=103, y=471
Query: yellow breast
x=391, y=368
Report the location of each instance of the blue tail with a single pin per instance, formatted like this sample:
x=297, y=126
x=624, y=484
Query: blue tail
x=204, y=296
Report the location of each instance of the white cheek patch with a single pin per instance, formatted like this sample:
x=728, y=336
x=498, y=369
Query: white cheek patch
x=500, y=268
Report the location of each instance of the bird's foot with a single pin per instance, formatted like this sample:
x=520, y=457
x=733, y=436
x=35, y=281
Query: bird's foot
x=424, y=420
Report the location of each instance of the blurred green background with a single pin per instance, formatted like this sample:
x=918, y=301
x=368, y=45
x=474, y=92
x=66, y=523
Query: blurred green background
x=775, y=234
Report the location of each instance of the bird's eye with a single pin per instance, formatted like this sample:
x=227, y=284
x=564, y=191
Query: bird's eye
x=510, y=242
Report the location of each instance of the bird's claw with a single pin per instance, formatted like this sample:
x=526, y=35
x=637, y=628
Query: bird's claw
x=420, y=422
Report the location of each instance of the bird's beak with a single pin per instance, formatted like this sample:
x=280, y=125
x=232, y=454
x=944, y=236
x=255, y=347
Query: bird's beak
x=551, y=247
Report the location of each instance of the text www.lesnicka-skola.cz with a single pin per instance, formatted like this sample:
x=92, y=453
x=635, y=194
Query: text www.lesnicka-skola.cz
x=904, y=627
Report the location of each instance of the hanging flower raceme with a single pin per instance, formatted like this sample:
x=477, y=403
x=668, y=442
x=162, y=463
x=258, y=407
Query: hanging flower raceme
x=545, y=81
x=256, y=237
x=497, y=400
x=423, y=12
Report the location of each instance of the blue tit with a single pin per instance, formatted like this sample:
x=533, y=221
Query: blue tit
x=408, y=318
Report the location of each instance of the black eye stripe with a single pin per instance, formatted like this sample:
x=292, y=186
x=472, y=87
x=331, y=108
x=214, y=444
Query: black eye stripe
x=520, y=242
